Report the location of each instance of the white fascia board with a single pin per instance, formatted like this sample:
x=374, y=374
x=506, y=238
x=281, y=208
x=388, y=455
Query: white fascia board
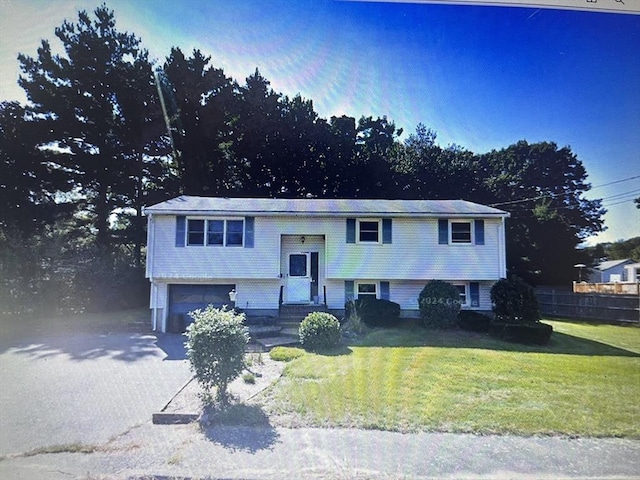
x=225, y=213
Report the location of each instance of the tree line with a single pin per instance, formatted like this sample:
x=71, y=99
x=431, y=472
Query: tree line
x=107, y=131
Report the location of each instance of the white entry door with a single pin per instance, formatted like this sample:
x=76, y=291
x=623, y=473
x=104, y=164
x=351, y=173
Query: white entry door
x=299, y=278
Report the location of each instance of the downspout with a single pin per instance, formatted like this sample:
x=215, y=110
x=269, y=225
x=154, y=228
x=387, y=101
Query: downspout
x=153, y=292
x=150, y=249
x=503, y=248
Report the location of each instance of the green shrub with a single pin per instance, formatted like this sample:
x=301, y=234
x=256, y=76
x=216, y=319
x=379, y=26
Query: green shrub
x=216, y=341
x=319, y=331
x=374, y=312
x=473, y=321
x=439, y=304
x=514, y=301
x=537, y=333
x=248, y=377
x=285, y=354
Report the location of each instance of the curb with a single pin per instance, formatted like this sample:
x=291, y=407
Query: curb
x=163, y=418
x=166, y=418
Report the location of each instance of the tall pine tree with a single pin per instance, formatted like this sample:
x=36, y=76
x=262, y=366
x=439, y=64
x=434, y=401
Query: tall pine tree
x=89, y=103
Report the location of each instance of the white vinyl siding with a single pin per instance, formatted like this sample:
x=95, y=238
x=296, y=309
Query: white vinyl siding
x=168, y=261
x=414, y=253
x=406, y=293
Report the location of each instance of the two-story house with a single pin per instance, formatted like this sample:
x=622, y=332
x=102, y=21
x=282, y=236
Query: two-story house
x=265, y=253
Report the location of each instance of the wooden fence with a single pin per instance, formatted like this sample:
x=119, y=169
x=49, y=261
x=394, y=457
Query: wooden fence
x=607, y=288
x=588, y=306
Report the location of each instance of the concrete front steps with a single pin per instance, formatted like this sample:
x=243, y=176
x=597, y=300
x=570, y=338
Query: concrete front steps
x=286, y=331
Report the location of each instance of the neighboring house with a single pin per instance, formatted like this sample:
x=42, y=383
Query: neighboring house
x=272, y=252
x=632, y=272
x=611, y=271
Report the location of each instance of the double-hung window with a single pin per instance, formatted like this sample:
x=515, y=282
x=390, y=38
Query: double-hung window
x=233, y=233
x=368, y=231
x=219, y=232
x=215, y=232
x=461, y=231
x=195, y=232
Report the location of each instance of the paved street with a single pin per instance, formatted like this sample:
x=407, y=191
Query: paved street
x=64, y=384
x=184, y=452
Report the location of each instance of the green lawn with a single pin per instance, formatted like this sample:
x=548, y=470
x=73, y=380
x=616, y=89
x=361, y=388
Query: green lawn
x=585, y=382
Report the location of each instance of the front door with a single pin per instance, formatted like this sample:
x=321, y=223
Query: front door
x=299, y=278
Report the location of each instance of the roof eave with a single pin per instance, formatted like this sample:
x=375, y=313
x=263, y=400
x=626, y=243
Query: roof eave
x=256, y=213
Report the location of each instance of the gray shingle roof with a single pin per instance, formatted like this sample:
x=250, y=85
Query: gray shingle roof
x=190, y=205
x=602, y=266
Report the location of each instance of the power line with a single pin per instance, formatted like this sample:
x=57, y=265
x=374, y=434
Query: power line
x=555, y=195
x=618, y=196
x=617, y=181
x=620, y=202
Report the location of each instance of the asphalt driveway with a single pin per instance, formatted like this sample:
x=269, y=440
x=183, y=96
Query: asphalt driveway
x=66, y=382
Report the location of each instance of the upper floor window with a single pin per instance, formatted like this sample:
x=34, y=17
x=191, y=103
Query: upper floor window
x=233, y=233
x=195, y=232
x=460, y=231
x=220, y=232
x=368, y=231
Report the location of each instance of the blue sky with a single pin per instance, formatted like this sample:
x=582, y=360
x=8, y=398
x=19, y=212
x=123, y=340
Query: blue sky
x=482, y=77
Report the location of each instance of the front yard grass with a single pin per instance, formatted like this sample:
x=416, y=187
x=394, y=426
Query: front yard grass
x=586, y=382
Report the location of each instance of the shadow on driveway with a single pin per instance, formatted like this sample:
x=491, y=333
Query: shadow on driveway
x=80, y=340
x=242, y=427
x=173, y=345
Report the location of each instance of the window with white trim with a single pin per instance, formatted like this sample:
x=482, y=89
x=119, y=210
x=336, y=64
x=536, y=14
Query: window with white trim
x=195, y=232
x=369, y=231
x=219, y=232
x=233, y=233
x=461, y=231
x=367, y=290
x=463, y=291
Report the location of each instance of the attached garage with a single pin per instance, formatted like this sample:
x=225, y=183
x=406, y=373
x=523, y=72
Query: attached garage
x=187, y=298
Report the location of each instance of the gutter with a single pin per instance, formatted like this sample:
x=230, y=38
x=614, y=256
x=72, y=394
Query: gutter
x=331, y=214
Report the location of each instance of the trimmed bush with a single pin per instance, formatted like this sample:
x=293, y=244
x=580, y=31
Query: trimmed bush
x=285, y=354
x=473, y=321
x=514, y=301
x=534, y=333
x=319, y=331
x=374, y=312
x=439, y=304
x=216, y=341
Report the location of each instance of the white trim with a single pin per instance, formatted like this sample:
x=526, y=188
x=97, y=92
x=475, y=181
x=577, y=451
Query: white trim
x=206, y=231
x=502, y=249
x=369, y=220
x=472, y=231
x=151, y=226
x=357, y=283
x=467, y=292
